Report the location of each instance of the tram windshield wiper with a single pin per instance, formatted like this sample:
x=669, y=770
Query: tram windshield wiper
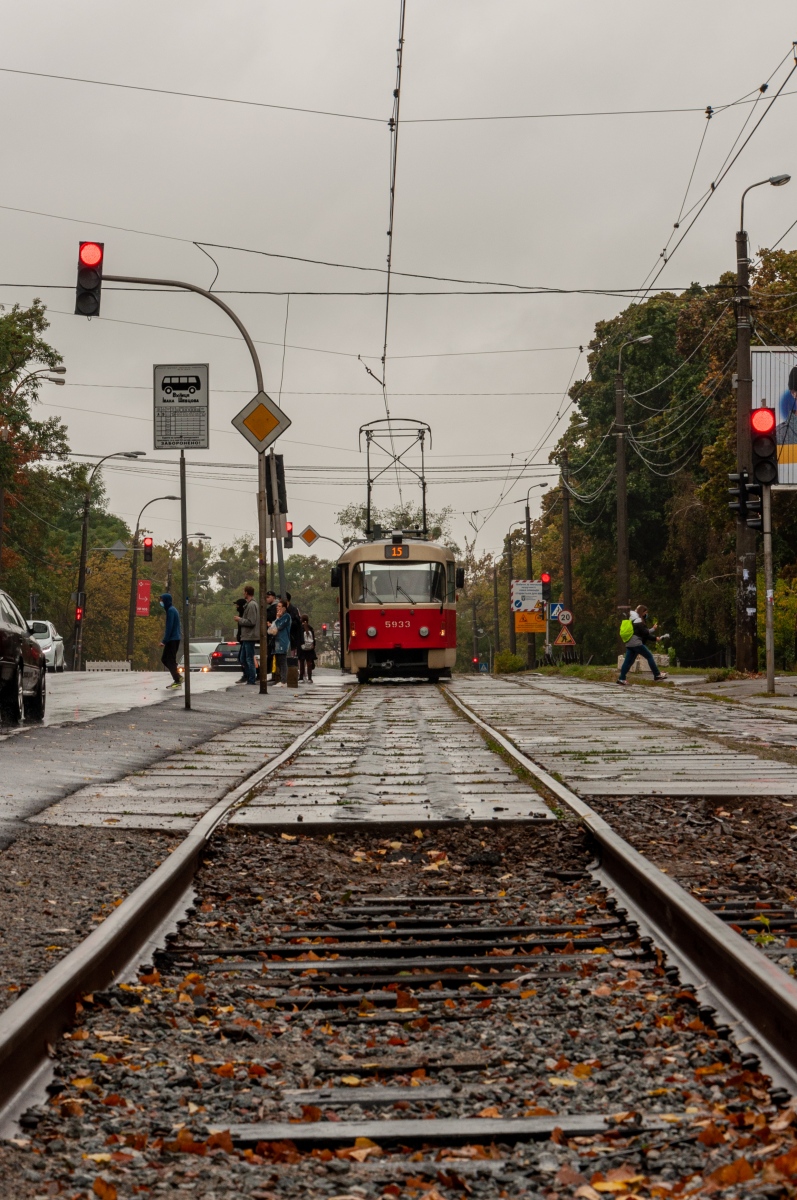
x=399, y=588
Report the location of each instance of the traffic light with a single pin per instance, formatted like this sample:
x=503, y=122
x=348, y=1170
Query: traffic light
x=282, y=495
x=147, y=549
x=475, y=662
x=739, y=504
x=754, y=503
x=323, y=629
x=287, y=541
x=79, y=615
x=545, y=580
x=89, y=278
x=765, y=446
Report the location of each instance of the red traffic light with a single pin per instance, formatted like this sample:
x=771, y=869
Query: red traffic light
x=90, y=254
x=474, y=660
x=323, y=628
x=147, y=543
x=545, y=577
x=762, y=420
x=288, y=528
x=78, y=615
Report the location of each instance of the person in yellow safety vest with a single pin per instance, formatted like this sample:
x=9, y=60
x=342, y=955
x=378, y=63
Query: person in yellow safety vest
x=635, y=634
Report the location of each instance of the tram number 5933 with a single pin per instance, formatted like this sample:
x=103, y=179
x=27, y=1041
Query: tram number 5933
x=397, y=624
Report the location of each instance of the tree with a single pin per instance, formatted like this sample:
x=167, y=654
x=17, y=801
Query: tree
x=352, y=521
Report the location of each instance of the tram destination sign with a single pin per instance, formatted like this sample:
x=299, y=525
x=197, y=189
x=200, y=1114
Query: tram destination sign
x=180, y=406
x=397, y=551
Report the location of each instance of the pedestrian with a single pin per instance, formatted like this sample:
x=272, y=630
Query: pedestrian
x=281, y=632
x=271, y=612
x=249, y=625
x=240, y=605
x=296, y=624
x=307, y=649
x=635, y=633
x=171, y=640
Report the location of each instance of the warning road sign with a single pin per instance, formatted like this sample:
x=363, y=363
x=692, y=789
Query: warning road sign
x=530, y=622
x=564, y=637
x=261, y=421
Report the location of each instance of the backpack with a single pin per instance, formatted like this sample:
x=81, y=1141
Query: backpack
x=626, y=630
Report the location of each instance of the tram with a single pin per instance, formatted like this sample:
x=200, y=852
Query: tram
x=398, y=614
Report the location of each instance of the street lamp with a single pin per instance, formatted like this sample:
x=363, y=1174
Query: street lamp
x=623, y=564
x=84, y=541
x=5, y=431
x=131, y=614
x=531, y=638
x=746, y=607
x=510, y=572
x=564, y=483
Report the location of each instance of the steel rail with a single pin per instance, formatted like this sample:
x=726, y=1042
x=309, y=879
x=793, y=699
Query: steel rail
x=30, y=1026
x=743, y=980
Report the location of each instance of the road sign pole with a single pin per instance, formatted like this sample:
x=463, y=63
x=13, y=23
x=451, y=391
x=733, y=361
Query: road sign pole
x=275, y=493
x=262, y=534
x=184, y=549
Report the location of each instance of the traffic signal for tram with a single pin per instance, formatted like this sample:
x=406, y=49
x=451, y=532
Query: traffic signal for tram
x=323, y=628
x=287, y=541
x=545, y=580
x=79, y=615
x=764, y=445
x=475, y=662
x=89, y=278
x=738, y=504
x=147, y=549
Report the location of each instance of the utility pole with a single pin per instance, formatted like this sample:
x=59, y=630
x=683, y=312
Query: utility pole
x=746, y=607
x=531, y=638
x=623, y=568
x=496, y=623
x=623, y=552
x=769, y=585
x=474, y=636
x=567, y=569
x=512, y=638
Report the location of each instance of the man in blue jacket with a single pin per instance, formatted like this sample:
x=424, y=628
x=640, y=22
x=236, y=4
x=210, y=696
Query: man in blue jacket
x=171, y=640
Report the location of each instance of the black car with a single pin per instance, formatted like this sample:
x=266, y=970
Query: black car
x=23, y=666
x=225, y=656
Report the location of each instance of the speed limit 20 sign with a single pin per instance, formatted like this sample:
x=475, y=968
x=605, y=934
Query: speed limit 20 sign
x=565, y=617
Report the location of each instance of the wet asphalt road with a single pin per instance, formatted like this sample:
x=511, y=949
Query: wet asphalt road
x=40, y=764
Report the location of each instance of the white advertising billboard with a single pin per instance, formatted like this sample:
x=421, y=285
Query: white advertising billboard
x=775, y=386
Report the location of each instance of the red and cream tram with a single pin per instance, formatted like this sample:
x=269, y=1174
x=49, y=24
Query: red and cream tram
x=398, y=608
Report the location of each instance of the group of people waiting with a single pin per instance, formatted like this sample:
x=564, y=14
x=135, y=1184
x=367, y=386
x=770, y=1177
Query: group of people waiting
x=289, y=633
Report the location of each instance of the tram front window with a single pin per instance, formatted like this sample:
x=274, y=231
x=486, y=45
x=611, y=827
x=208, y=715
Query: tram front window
x=389, y=583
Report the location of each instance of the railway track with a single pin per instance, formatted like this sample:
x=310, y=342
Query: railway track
x=462, y=999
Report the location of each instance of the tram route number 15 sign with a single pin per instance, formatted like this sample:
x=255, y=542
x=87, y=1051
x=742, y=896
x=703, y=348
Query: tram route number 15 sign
x=181, y=406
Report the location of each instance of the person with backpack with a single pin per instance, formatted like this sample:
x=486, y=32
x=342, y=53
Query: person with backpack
x=307, y=650
x=280, y=630
x=296, y=624
x=635, y=633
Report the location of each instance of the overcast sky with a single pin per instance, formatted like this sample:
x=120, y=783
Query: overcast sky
x=573, y=202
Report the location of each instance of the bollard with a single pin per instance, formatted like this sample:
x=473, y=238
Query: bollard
x=293, y=671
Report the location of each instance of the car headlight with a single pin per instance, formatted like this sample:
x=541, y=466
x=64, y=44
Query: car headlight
x=371, y=631
x=424, y=631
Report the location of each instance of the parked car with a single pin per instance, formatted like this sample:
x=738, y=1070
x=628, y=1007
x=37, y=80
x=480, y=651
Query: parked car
x=225, y=656
x=51, y=643
x=23, y=667
x=199, y=656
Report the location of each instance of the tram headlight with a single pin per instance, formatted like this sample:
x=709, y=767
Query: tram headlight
x=424, y=631
x=371, y=631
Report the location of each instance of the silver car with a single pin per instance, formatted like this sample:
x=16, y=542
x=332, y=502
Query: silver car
x=51, y=643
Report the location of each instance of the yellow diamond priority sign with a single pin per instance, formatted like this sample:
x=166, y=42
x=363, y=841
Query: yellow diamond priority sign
x=261, y=421
x=309, y=535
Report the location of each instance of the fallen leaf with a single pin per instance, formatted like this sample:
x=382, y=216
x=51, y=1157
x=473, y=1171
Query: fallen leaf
x=558, y=1081
x=103, y=1189
x=492, y=1111
x=311, y=1112
x=712, y=1135
x=525, y=995
x=225, y=1070
x=585, y=1192
x=288, y=837
x=736, y=1172
x=582, y=1070
x=221, y=1140
x=350, y=1080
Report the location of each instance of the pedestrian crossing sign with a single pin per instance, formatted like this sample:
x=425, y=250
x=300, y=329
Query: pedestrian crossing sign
x=564, y=637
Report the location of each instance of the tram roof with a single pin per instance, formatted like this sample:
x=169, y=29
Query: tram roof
x=419, y=551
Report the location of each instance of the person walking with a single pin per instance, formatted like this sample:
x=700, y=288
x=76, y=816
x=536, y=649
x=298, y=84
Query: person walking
x=171, y=640
x=249, y=625
x=282, y=641
x=635, y=633
x=307, y=650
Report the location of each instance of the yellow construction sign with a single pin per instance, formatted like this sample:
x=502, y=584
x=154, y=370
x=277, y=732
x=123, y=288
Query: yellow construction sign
x=564, y=638
x=529, y=622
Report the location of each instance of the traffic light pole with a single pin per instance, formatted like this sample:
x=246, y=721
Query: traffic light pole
x=746, y=611
x=261, y=499
x=512, y=639
x=623, y=566
x=186, y=601
x=275, y=494
x=531, y=638
x=766, y=518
